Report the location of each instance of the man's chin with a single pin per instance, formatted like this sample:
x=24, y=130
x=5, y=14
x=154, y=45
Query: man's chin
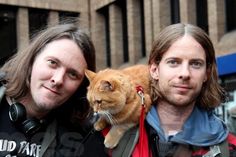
x=48, y=106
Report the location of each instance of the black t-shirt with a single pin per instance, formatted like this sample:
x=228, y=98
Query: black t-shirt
x=68, y=142
x=14, y=143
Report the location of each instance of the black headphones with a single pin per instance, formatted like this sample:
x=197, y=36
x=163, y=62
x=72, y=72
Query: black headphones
x=28, y=126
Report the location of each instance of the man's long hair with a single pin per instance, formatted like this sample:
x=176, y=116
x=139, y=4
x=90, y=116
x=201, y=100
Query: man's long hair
x=18, y=68
x=212, y=94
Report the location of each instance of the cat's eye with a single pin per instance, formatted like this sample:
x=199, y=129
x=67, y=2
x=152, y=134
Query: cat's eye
x=98, y=101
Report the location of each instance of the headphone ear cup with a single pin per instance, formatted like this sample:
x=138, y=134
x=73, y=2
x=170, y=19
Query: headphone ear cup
x=17, y=113
x=30, y=126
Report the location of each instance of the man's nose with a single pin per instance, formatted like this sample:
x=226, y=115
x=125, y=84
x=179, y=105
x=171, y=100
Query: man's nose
x=184, y=72
x=58, y=77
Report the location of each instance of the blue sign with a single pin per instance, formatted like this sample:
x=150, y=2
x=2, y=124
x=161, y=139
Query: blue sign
x=226, y=64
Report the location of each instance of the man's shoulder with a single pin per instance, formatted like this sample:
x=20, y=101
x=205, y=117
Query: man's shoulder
x=227, y=148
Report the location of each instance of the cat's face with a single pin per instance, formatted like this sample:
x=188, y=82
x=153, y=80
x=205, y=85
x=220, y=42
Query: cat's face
x=106, y=92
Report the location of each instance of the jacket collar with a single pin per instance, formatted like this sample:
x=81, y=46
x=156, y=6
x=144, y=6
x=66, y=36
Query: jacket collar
x=201, y=123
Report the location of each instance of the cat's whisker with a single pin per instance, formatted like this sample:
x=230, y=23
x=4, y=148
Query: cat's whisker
x=109, y=118
x=105, y=114
x=112, y=119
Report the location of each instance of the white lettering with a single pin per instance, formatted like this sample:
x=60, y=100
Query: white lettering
x=9, y=155
x=22, y=144
x=1, y=145
x=38, y=150
x=11, y=146
x=26, y=149
x=6, y=145
x=32, y=149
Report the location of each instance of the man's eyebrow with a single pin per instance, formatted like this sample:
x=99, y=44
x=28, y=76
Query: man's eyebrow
x=168, y=58
x=198, y=59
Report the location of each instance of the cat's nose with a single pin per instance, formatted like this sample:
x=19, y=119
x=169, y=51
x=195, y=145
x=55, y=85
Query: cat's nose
x=95, y=116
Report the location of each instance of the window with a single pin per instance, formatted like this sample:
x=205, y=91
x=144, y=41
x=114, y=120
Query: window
x=202, y=17
x=122, y=5
x=7, y=32
x=38, y=20
x=63, y=16
x=175, y=15
x=230, y=6
x=104, y=12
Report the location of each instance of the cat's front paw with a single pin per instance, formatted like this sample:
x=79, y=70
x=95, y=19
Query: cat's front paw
x=97, y=127
x=110, y=142
x=113, y=136
x=100, y=124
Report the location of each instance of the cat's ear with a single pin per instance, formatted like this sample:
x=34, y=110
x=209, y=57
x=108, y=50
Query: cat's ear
x=106, y=86
x=90, y=74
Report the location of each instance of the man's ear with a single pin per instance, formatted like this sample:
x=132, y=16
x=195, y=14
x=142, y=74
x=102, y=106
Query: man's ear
x=154, y=71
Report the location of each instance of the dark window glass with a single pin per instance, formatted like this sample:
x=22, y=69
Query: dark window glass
x=175, y=15
x=7, y=32
x=122, y=5
x=104, y=12
x=64, y=16
x=202, y=16
x=142, y=28
x=230, y=15
x=38, y=20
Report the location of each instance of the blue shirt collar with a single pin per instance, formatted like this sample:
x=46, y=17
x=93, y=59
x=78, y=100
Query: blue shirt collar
x=202, y=128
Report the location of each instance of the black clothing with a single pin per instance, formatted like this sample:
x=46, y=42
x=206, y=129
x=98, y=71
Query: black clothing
x=56, y=140
x=12, y=140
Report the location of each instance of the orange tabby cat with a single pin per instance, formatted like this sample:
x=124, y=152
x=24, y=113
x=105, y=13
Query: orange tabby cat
x=112, y=95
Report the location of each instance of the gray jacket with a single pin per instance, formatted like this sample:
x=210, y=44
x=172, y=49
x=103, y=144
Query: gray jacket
x=127, y=143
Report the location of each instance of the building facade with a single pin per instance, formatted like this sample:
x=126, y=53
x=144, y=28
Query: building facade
x=20, y=20
x=122, y=30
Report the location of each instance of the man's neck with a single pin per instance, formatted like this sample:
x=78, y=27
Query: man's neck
x=172, y=117
x=31, y=107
